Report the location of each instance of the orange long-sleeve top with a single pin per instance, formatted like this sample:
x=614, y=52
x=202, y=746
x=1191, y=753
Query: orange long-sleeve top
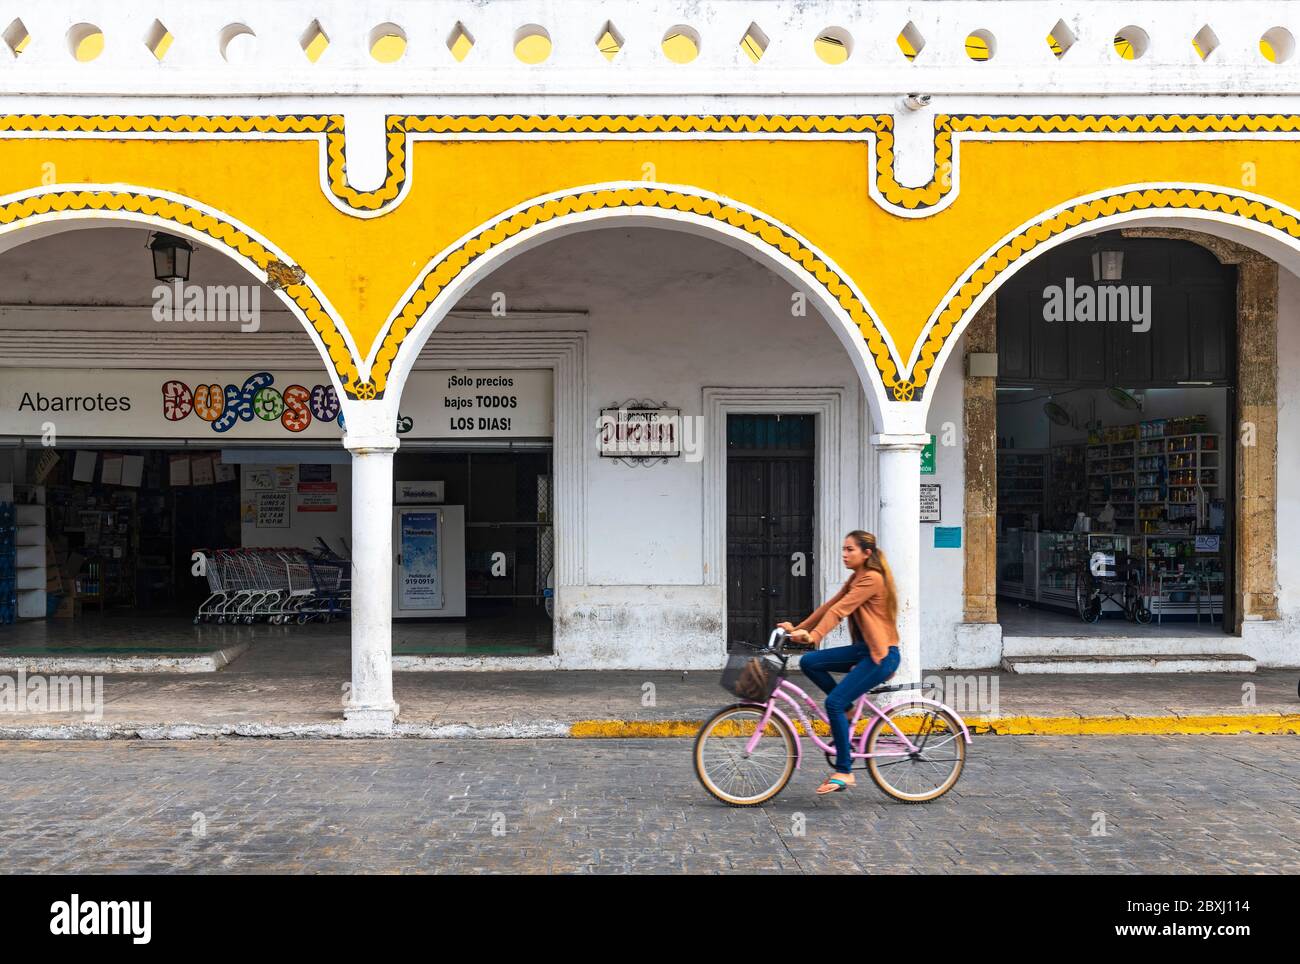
x=862, y=598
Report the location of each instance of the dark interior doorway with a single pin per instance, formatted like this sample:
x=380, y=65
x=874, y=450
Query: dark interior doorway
x=770, y=506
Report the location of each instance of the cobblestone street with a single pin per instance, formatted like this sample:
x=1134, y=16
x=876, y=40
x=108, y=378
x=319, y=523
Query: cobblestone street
x=1024, y=804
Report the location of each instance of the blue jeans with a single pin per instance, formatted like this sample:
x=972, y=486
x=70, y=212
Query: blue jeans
x=863, y=674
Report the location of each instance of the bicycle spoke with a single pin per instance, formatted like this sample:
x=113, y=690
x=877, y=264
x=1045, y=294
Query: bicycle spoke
x=734, y=773
x=929, y=763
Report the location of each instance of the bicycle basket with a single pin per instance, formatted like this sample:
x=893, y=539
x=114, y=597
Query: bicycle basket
x=751, y=677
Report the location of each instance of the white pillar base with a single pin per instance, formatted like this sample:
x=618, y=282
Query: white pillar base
x=369, y=719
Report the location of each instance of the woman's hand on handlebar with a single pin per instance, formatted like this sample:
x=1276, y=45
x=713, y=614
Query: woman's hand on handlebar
x=786, y=628
x=800, y=637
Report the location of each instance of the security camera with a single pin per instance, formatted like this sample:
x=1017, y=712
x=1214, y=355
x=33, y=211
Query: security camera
x=916, y=101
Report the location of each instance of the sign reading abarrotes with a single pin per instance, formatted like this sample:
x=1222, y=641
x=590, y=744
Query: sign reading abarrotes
x=264, y=405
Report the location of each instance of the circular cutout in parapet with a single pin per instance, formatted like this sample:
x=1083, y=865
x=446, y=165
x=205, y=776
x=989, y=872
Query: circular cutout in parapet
x=834, y=45
x=681, y=44
x=85, y=42
x=532, y=43
x=387, y=43
x=1131, y=42
x=237, y=43
x=1277, y=46
x=981, y=46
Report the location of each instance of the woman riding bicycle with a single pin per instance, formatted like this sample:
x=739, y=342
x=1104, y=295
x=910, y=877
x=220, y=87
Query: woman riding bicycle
x=869, y=600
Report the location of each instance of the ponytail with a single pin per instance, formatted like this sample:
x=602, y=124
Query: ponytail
x=876, y=561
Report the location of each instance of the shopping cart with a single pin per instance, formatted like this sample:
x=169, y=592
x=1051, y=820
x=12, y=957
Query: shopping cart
x=229, y=584
x=319, y=585
x=275, y=584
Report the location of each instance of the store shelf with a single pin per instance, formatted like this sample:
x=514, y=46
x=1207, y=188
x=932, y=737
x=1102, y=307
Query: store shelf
x=23, y=572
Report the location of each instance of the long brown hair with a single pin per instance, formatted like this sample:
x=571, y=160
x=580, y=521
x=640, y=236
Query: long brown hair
x=876, y=560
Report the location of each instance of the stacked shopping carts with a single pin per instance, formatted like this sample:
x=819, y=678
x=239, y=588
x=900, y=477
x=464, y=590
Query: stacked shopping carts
x=275, y=585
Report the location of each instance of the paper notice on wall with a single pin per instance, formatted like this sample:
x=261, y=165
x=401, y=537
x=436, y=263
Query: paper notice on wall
x=318, y=497
x=285, y=476
x=178, y=469
x=273, y=509
x=201, y=472
x=258, y=477
x=132, y=470
x=224, y=471
x=248, y=512
x=111, y=470
x=83, y=470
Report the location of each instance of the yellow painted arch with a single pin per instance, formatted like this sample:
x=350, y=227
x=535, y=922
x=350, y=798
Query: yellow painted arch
x=130, y=203
x=697, y=205
x=952, y=317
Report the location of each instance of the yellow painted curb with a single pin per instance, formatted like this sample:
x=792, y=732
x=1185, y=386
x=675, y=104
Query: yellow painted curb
x=1265, y=724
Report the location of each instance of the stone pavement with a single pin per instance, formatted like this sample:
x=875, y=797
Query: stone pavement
x=1111, y=805
x=295, y=684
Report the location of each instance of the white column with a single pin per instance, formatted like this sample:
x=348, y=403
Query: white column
x=899, y=535
x=370, y=703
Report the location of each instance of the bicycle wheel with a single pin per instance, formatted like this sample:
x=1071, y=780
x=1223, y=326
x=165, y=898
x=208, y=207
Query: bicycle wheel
x=725, y=770
x=926, y=773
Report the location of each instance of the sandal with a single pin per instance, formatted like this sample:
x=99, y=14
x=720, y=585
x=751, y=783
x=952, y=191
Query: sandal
x=834, y=785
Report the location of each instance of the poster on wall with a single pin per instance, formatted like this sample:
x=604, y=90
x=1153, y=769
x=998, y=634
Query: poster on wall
x=313, y=472
x=318, y=497
x=259, y=477
x=273, y=509
x=931, y=502
x=420, y=573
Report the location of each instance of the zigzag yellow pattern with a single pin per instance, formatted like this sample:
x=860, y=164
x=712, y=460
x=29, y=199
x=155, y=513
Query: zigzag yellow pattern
x=218, y=230
x=446, y=270
x=880, y=126
x=1026, y=241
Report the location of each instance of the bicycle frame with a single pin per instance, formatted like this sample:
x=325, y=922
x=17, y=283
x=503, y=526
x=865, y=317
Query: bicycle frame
x=791, y=693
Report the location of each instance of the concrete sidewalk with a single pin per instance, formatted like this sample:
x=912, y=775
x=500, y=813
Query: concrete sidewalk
x=295, y=687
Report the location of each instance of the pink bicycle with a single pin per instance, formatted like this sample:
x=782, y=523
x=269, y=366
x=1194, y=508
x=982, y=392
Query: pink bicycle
x=746, y=753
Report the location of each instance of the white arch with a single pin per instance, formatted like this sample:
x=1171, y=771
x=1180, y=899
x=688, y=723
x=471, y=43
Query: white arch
x=647, y=216
x=23, y=230
x=1277, y=245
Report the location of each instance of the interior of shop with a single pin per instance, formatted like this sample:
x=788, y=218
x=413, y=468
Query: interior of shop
x=1115, y=507
x=149, y=551
x=135, y=534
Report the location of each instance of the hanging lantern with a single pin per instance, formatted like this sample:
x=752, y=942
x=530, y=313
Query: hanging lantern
x=171, y=257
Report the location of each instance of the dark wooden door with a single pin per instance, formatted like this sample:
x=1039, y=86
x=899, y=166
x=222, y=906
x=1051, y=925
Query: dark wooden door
x=770, y=486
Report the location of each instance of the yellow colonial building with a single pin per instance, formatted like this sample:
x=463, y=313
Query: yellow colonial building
x=577, y=335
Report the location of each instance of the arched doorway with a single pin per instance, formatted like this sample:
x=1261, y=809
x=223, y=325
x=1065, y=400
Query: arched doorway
x=1249, y=246
x=633, y=314
x=153, y=381
x=1116, y=401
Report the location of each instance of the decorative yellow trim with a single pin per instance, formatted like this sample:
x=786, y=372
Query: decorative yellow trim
x=330, y=126
x=440, y=275
x=986, y=272
x=398, y=129
x=220, y=231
